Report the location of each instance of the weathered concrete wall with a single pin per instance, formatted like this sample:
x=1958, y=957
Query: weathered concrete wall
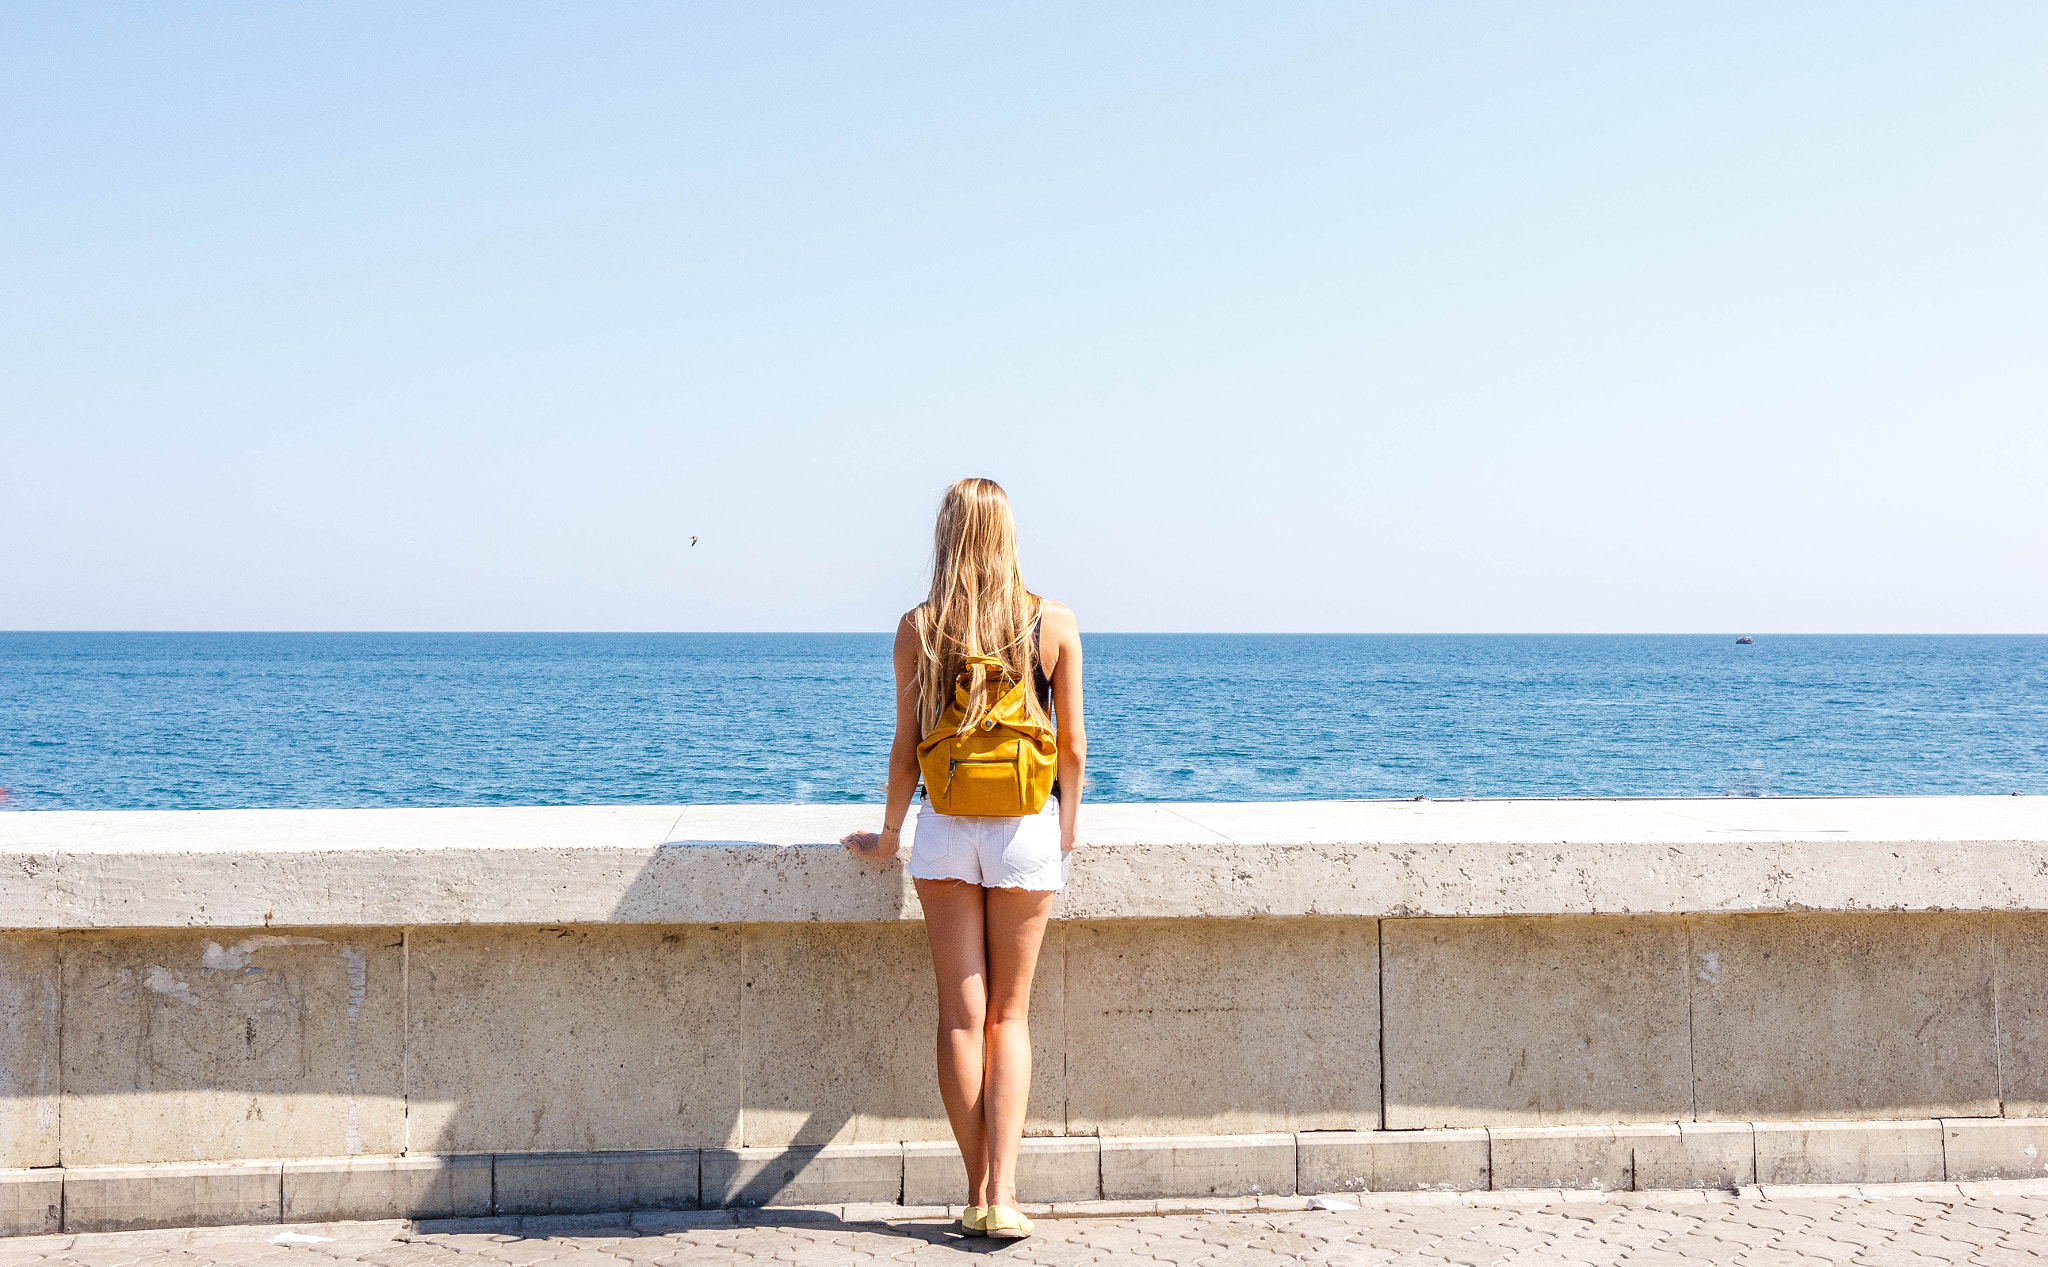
x=1806, y=1016
x=179, y=1046
x=1222, y=1026
x=1536, y=1022
x=1269, y=1010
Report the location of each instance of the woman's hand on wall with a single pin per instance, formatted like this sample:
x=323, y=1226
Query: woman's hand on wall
x=870, y=846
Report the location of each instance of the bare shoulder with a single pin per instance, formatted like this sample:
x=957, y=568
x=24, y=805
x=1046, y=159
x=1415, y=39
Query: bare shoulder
x=1059, y=642
x=907, y=641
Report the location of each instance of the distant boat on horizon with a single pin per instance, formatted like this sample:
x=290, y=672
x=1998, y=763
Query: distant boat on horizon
x=1745, y=641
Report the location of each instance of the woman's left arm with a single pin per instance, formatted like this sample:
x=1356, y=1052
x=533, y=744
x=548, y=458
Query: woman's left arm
x=867, y=845
x=1065, y=631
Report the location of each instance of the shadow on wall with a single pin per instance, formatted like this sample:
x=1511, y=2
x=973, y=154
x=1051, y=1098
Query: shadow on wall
x=647, y=1034
x=206, y=1045
x=28, y=1049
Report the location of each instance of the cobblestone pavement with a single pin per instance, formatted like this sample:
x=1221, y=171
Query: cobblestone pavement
x=1989, y=1224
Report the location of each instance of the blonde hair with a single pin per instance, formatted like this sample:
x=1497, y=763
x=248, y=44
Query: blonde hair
x=978, y=607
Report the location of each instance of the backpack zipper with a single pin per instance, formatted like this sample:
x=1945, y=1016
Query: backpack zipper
x=953, y=767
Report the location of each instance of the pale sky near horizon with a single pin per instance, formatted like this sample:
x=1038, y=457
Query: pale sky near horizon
x=1590, y=317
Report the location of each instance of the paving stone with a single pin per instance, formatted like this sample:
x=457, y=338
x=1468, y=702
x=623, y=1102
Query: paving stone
x=1352, y=1256
x=1290, y=1244
x=1951, y=1228
x=1820, y=1247
x=1744, y=1234
x=1917, y=1241
x=1662, y=1258
x=1855, y=1234
x=1119, y=1237
x=587, y=1256
x=1664, y=1220
x=1886, y=1256
x=521, y=1253
x=1179, y=1249
x=1883, y=1214
x=2001, y=1221
x=1494, y=1229
x=1441, y=1221
x=1055, y=1254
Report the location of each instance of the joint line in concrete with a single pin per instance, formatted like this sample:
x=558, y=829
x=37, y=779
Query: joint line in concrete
x=1379, y=930
x=58, y=1043
x=1997, y=1026
x=405, y=1041
x=1692, y=1071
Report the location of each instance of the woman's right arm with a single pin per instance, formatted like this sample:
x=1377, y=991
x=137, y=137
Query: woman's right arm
x=903, y=771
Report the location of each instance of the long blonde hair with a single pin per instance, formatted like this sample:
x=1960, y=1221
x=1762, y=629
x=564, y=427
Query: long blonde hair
x=978, y=607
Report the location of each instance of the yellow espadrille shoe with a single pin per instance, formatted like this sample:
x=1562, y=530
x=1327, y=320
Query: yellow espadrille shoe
x=1006, y=1224
x=974, y=1220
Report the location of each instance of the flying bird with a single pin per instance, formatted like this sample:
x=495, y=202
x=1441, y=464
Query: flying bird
x=693, y=541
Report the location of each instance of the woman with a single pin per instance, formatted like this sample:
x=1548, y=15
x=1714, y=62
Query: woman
x=987, y=884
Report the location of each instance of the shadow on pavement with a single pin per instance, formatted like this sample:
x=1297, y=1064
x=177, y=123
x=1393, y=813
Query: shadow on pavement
x=750, y=1222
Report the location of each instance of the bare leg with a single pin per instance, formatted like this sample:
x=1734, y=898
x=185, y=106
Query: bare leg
x=1016, y=926
x=953, y=920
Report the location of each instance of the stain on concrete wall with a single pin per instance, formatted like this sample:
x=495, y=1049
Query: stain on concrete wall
x=179, y=1046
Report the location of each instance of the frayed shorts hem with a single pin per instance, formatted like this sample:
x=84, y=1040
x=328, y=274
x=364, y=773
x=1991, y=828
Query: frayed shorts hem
x=1017, y=888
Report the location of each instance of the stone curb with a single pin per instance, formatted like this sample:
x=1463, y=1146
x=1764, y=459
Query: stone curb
x=548, y=866
x=545, y=1193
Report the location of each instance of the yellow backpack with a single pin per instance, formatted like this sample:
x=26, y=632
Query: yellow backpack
x=1003, y=768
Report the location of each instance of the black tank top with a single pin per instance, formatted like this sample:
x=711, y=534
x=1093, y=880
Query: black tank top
x=1039, y=682
x=1043, y=685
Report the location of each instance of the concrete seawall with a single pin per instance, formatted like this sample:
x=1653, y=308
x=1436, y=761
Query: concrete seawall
x=244, y=1015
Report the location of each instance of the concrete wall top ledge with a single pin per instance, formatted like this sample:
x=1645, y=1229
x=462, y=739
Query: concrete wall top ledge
x=749, y=864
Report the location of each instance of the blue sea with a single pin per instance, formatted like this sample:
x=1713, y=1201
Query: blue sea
x=204, y=721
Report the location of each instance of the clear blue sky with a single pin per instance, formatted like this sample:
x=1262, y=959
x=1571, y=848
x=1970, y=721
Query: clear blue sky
x=1346, y=317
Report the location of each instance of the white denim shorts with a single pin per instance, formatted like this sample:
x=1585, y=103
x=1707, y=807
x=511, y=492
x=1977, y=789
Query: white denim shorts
x=995, y=853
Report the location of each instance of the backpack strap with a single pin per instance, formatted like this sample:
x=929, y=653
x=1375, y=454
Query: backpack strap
x=996, y=671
